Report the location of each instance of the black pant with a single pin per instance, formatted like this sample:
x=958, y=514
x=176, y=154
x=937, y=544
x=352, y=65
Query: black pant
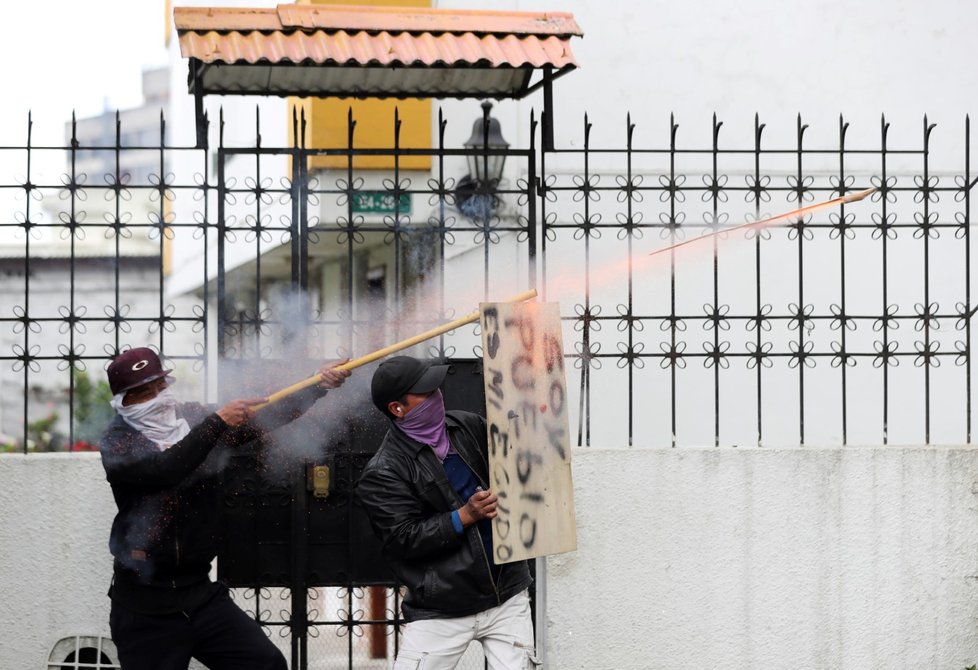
x=218, y=634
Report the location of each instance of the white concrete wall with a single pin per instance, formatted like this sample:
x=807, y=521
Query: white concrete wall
x=769, y=558
x=688, y=558
x=55, y=515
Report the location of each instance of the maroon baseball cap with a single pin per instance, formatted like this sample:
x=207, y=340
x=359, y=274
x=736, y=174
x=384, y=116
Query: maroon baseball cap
x=134, y=368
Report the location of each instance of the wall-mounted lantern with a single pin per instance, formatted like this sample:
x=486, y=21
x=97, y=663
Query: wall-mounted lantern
x=475, y=195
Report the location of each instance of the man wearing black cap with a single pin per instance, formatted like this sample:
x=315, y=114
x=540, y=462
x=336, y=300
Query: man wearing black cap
x=427, y=497
x=163, y=461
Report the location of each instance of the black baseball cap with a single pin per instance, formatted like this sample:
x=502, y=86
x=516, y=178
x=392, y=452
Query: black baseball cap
x=134, y=368
x=400, y=375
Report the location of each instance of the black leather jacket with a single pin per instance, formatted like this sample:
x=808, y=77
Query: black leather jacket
x=409, y=500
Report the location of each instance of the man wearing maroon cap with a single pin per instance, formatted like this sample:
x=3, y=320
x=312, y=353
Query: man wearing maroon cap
x=163, y=461
x=427, y=495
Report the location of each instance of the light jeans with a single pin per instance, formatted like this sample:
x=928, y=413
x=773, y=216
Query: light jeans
x=505, y=632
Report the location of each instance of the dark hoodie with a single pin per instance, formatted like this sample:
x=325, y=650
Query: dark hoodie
x=167, y=529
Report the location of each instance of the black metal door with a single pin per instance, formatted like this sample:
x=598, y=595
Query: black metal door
x=292, y=533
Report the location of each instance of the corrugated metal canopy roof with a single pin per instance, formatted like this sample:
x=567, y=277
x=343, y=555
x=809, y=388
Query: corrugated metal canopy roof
x=343, y=51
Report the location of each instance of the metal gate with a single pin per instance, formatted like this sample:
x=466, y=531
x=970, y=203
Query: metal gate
x=300, y=553
x=298, y=550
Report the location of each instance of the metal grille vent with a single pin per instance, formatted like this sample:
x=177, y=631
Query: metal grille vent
x=83, y=652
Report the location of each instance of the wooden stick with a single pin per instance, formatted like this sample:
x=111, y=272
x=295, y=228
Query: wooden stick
x=398, y=346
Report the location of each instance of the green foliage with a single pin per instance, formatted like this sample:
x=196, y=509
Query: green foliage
x=42, y=436
x=92, y=410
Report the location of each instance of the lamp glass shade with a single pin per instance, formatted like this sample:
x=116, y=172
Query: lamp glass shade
x=486, y=168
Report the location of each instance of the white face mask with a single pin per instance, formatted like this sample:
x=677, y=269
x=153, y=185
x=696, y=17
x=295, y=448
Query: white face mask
x=156, y=418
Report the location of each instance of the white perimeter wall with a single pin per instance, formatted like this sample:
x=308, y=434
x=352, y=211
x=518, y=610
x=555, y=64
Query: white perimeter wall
x=769, y=558
x=55, y=515
x=688, y=558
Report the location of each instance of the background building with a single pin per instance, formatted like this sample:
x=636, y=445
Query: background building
x=94, y=251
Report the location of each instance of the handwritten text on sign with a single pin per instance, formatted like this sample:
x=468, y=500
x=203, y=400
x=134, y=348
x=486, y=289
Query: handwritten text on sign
x=529, y=450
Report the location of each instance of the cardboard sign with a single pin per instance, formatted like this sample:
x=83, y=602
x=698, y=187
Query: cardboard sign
x=529, y=445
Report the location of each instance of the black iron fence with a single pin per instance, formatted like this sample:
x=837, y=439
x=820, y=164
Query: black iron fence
x=861, y=290
x=851, y=325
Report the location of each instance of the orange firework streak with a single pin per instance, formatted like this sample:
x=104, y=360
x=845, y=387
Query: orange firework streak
x=398, y=346
x=798, y=213
x=568, y=284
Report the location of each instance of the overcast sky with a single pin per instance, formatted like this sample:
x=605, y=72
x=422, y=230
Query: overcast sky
x=63, y=54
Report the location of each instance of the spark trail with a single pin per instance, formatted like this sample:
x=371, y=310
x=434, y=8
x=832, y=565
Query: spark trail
x=797, y=213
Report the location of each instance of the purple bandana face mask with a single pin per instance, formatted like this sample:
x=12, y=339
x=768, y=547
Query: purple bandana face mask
x=426, y=424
